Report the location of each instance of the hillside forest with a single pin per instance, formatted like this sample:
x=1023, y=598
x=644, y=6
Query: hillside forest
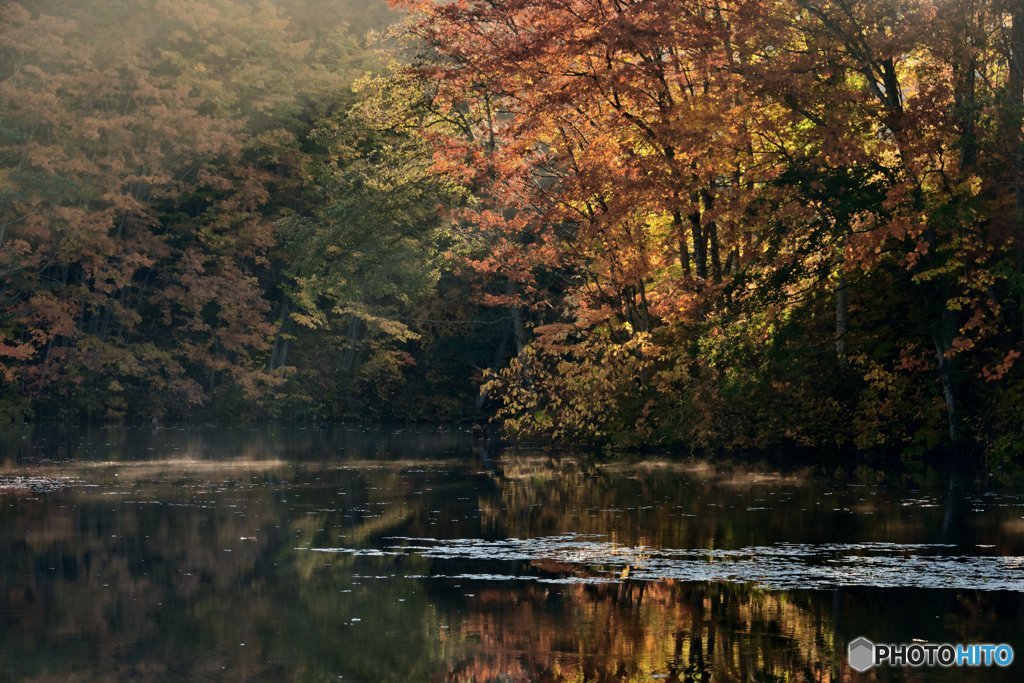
x=714, y=225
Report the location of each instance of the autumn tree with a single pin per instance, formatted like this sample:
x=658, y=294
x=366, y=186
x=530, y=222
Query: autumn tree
x=739, y=200
x=141, y=141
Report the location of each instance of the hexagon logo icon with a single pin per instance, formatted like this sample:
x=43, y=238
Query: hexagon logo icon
x=861, y=654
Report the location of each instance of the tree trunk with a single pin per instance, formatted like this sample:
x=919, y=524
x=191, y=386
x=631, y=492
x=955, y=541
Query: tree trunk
x=516, y=312
x=966, y=114
x=279, y=353
x=700, y=254
x=711, y=232
x=680, y=232
x=353, y=335
x=948, y=391
x=1014, y=108
x=732, y=265
x=842, y=317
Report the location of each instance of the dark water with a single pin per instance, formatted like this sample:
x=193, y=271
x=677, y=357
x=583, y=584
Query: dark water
x=140, y=555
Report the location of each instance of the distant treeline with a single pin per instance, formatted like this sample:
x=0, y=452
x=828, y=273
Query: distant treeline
x=195, y=223
x=723, y=225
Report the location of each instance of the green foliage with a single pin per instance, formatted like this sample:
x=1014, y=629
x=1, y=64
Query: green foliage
x=591, y=392
x=364, y=256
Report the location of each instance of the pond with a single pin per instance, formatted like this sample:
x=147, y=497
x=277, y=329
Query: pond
x=359, y=554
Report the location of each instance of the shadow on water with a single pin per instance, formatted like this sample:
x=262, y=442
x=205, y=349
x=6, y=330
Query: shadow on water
x=424, y=555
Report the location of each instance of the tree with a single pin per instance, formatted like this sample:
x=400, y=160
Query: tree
x=711, y=183
x=140, y=143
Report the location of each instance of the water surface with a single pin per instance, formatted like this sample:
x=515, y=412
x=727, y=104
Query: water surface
x=415, y=555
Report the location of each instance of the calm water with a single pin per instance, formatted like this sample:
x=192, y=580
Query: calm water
x=170, y=555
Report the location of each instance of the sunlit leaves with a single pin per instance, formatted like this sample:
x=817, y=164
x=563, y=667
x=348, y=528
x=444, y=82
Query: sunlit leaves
x=704, y=177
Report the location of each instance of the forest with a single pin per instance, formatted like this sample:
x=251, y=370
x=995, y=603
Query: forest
x=711, y=225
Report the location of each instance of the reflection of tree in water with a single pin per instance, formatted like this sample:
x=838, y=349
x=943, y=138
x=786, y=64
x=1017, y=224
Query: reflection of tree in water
x=635, y=630
x=664, y=508
x=163, y=571
x=695, y=505
x=166, y=574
